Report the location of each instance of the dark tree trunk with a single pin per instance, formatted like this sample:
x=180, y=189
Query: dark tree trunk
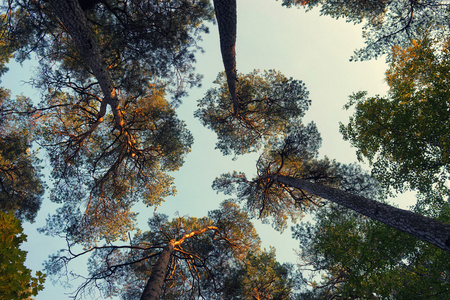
x=74, y=21
x=426, y=229
x=154, y=286
x=227, y=19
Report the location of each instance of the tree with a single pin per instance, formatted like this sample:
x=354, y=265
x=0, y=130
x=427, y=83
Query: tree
x=226, y=16
x=404, y=135
x=260, y=276
x=290, y=180
x=16, y=280
x=137, y=41
x=110, y=132
x=387, y=23
x=269, y=103
x=374, y=262
x=21, y=187
x=112, y=137
x=184, y=258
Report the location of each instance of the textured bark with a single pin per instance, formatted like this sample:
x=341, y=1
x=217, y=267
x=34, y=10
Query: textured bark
x=155, y=283
x=426, y=229
x=74, y=21
x=227, y=21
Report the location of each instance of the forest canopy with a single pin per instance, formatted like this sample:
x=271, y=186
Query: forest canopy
x=102, y=140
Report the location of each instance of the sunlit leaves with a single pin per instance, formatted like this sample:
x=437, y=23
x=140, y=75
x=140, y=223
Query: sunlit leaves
x=269, y=104
x=205, y=249
x=16, y=281
x=259, y=276
x=108, y=169
x=405, y=134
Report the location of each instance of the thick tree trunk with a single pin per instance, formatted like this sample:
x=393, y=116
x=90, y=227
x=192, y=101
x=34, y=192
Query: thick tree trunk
x=74, y=21
x=426, y=229
x=154, y=286
x=227, y=19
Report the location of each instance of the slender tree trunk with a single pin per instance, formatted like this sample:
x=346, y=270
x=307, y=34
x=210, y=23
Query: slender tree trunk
x=154, y=286
x=227, y=21
x=424, y=228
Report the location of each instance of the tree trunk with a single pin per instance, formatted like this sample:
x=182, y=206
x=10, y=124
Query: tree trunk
x=154, y=286
x=424, y=228
x=74, y=21
x=227, y=19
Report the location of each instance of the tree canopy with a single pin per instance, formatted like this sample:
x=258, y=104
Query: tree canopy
x=386, y=23
x=205, y=257
x=112, y=74
x=269, y=103
x=21, y=186
x=16, y=280
x=105, y=120
x=405, y=133
x=374, y=262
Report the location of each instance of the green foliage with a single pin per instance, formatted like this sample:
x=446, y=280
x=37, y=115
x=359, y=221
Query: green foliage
x=353, y=11
x=405, y=134
x=204, y=252
x=16, y=281
x=259, y=276
x=5, y=48
x=139, y=41
x=350, y=256
x=108, y=153
x=269, y=103
x=386, y=23
x=109, y=170
x=21, y=187
x=294, y=155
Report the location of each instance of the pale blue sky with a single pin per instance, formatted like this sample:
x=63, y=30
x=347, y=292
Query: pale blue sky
x=301, y=45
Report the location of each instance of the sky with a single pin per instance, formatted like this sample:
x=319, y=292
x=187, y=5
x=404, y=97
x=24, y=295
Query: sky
x=308, y=47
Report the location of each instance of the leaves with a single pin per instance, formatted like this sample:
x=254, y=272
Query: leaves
x=16, y=281
x=404, y=134
x=269, y=103
x=374, y=260
x=260, y=276
x=204, y=250
x=385, y=23
x=21, y=186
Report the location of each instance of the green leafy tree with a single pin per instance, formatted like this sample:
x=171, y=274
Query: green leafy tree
x=260, y=276
x=269, y=103
x=186, y=258
x=16, y=280
x=352, y=256
x=405, y=135
x=386, y=23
